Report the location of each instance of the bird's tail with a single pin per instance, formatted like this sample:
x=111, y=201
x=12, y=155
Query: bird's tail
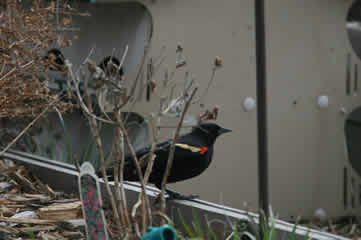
x=109, y=174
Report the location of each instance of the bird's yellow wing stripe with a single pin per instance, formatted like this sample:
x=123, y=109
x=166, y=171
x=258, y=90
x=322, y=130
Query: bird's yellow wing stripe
x=193, y=149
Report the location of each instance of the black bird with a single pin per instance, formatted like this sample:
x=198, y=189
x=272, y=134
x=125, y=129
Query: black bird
x=110, y=69
x=192, y=156
x=56, y=58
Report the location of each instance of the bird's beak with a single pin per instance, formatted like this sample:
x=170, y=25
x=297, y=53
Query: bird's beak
x=223, y=130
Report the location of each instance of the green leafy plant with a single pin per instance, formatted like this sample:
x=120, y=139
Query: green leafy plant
x=69, y=152
x=31, y=235
x=196, y=230
x=269, y=230
x=190, y=233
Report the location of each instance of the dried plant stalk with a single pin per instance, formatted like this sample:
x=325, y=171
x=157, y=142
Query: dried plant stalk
x=118, y=171
x=135, y=223
x=29, y=126
x=116, y=154
x=25, y=36
x=95, y=130
x=172, y=149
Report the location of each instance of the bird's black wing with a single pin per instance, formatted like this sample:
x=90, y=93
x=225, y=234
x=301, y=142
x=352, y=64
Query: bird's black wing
x=190, y=158
x=130, y=173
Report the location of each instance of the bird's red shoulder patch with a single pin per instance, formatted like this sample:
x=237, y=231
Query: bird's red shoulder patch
x=204, y=150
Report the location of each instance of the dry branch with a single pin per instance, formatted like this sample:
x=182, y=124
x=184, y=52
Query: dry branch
x=172, y=148
x=27, y=220
x=25, y=37
x=29, y=125
x=61, y=211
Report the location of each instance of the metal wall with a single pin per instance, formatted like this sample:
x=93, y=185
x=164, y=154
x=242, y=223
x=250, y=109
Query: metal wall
x=307, y=57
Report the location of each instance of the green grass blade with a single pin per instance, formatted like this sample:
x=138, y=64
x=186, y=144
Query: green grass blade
x=196, y=225
x=31, y=235
x=273, y=233
x=69, y=152
x=293, y=233
x=27, y=142
x=235, y=233
x=307, y=234
x=210, y=234
x=264, y=226
x=51, y=152
x=186, y=227
x=86, y=154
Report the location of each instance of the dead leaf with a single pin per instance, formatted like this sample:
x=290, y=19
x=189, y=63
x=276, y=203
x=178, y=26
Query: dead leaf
x=66, y=21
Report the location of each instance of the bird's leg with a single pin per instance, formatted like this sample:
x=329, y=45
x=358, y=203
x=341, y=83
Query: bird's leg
x=172, y=195
x=178, y=196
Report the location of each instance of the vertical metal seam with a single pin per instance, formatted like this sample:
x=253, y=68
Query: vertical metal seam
x=261, y=105
x=348, y=75
x=345, y=188
x=355, y=84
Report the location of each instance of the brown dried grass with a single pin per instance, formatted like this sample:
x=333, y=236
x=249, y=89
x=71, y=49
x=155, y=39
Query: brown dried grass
x=26, y=33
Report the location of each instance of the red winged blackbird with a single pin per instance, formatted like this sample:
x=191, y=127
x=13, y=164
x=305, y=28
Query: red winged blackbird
x=192, y=156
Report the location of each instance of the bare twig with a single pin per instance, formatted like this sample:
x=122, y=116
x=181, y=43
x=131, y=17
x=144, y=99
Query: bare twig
x=28, y=126
x=95, y=131
x=151, y=156
x=216, y=65
x=27, y=33
x=116, y=154
x=120, y=166
x=8, y=73
x=132, y=91
x=164, y=216
x=80, y=98
x=123, y=57
x=214, y=69
x=172, y=148
x=76, y=163
x=137, y=166
x=149, y=168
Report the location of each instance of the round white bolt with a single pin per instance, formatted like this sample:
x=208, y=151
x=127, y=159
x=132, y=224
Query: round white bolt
x=322, y=101
x=321, y=215
x=249, y=104
x=343, y=110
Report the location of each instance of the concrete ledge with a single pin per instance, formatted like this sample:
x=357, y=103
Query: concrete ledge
x=64, y=177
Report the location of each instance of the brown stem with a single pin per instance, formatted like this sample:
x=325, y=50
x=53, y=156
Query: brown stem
x=95, y=131
x=214, y=69
x=80, y=99
x=116, y=155
x=120, y=144
x=172, y=149
x=29, y=126
x=137, y=165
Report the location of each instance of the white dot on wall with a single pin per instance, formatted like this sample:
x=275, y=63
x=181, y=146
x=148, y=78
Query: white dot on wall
x=322, y=101
x=343, y=110
x=249, y=104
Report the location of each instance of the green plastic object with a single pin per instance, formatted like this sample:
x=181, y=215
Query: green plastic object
x=164, y=232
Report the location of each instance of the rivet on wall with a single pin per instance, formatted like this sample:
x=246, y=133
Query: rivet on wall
x=322, y=101
x=343, y=110
x=249, y=104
